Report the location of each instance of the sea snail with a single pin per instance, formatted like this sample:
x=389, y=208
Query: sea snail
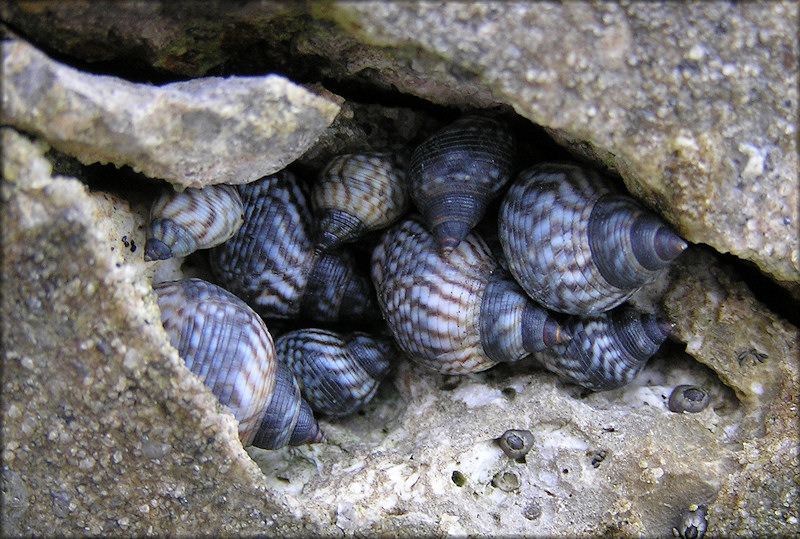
x=271, y=262
x=226, y=344
x=338, y=374
x=357, y=193
x=183, y=222
x=688, y=398
x=577, y=247
x=455, y=314
x=455, y=173
x=607, y=350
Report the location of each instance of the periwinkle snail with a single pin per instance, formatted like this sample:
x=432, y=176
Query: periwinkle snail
x=607, y=350
x=455, y=173
x=516, y=443
x=455, y=314
x=577, y=247
x=229, y=347
x=271, y=262
x=688, y=398
x=338, y=374
x=358, y=193
x=183, y=222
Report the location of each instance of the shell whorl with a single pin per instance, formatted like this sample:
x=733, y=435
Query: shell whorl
x=574, y=245
x=271, y=262
x=226, y=344
x=358, y=193
x=435, y=307
x=288, y=419
x=338, y=374
x=607, y=350
x=183, y=222
x=455, y=173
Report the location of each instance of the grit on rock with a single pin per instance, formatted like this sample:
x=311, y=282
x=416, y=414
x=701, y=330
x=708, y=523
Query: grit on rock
x=105, y=431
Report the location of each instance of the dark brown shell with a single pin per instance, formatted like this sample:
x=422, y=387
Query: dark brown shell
x=454, y=174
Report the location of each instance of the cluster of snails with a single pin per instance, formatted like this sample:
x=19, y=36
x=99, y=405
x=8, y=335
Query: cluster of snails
x=573, y=251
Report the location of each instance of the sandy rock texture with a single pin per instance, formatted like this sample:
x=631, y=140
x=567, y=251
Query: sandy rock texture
x=694, y=105
x=193, y=133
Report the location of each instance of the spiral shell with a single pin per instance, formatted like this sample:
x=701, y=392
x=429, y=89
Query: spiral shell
x=516, y=443
x=574, y=245
x=271, y=263
x=356, y=194
x=338, y=374
x=607, y=350
x=228, y=346
x=688, y=398
x=454, y=314
x=183, y=222
x=455, y=173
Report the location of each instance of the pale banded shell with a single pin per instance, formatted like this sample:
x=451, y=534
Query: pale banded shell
x=228, y=346
x=271, y=263
x=577, y=247
x=183, y=222
x=358, y=193
x=338, y=374
x=607, y=350
x=455, y=314
x=454, y=174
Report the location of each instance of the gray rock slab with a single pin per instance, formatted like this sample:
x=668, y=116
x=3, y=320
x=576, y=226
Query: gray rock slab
x=193, y=133
x=695, y=105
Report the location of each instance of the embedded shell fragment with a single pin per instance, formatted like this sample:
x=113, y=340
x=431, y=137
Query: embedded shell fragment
x=357, y=193
x=183, y=222
x=455, y=173
x=338, y=374
x=577, y=247
x=455, y=314
x=228, y=346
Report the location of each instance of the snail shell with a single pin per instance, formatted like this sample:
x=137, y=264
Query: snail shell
x=457, y=314
x=183, y=222
x=358, y=193
x=338, y=374
x=574, y=245
x=688, y=398
x=228, y=346
x=271, y=263
x=607, y=350
x=455, y=173
x=516, y=443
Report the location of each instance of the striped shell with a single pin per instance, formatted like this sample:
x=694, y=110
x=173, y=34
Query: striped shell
x=356, y=194
x=228, y=346
x=183, y=222
x=338, y=374
x=454, y=314
x=607, y=350
x=454, y=174
x=271, y=263
x=574, y=245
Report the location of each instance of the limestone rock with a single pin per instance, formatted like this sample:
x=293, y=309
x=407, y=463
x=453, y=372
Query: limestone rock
x=192, y=133
x=697, y=122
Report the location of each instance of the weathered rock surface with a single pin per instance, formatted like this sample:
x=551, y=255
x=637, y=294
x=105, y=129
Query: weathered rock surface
x=193, y=133
x=104, y=430
x=695, y=105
